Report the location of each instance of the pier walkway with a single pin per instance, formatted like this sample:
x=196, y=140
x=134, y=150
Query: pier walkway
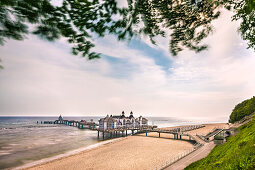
x=198, y=154
x=178, y=132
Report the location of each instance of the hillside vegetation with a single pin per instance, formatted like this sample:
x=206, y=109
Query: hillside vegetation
x=243, y=109
x=237, y=153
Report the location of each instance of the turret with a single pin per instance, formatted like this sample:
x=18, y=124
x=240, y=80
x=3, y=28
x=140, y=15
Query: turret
x=131, y=115
x=60, y=118
x=123, y=114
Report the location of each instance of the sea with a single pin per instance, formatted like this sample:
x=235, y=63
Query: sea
x=24, y=139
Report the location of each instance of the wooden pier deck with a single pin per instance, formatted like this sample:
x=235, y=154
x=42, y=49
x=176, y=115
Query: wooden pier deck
x=178, y=132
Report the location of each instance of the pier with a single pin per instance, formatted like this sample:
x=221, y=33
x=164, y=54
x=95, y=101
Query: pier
x=178, y=133
x=112, y=132
x=80, y=124
x=120, y=125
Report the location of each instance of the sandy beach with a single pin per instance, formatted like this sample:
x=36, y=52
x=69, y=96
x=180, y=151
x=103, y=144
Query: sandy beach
x=133, y=152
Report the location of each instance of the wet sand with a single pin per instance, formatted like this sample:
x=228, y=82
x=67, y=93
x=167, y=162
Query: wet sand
x=133, y=152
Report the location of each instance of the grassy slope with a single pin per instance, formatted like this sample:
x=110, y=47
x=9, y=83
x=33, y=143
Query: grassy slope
x=237, y=153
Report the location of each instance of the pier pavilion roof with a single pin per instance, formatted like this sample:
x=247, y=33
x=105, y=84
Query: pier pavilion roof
x=108, y=119
x=118, y=117
x=141, y=118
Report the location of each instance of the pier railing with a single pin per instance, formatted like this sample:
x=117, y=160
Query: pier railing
x=181, y=129
x=212, y=133
x=171, y=161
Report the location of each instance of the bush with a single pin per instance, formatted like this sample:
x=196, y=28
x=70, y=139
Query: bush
x=243, y=109
x=218, y=137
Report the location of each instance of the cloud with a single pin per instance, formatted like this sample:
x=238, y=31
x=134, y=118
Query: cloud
x=44, y=78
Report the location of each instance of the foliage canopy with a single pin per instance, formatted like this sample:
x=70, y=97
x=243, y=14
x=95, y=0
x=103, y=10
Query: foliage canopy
x=188, y=21
x=242, y=109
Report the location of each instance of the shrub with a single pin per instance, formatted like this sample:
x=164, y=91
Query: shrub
x=242, y=109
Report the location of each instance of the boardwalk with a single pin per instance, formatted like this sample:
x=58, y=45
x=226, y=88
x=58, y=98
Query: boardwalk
x=194, y=156
x=204, y=150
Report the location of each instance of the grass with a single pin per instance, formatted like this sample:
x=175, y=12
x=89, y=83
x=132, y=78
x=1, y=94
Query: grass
x=237, y=153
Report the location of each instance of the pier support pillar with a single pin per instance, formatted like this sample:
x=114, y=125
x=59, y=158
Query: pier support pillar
x=98, y=134
x=122, y=133
x=159, y=134
x=146, y=132
x=132, y=132
x=126, y=132
x=103, y=135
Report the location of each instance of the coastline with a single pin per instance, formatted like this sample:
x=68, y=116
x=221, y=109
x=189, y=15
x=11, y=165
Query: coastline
x=153, y=157
x=135, y=152
x=65, y=155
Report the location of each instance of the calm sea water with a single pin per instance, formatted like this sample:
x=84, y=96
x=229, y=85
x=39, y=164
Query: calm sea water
x=22, y=140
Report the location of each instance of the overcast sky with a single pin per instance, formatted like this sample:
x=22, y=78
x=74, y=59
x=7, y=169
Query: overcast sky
x=43, y=78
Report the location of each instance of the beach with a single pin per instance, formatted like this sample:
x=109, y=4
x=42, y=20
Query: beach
x=132, y=152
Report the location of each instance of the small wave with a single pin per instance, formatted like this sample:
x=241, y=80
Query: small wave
x=4, y=153
x=14, y=144
x=51, y=143
x=6, y=147
x=25, y=127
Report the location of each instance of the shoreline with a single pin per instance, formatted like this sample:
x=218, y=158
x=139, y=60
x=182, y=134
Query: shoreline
x=55, y=160
x=66, y=155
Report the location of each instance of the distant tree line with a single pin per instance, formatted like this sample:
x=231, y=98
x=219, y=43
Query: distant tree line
x=243, y=109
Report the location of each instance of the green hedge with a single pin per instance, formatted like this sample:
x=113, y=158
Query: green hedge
x=237, y=153
x=243, y=109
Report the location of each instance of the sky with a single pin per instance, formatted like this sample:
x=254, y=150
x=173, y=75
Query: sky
x=42, y=78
